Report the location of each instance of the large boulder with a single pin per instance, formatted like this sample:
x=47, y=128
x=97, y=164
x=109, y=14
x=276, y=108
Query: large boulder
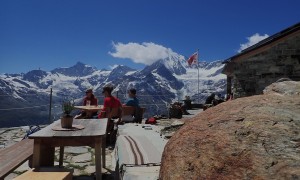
x=255, y=137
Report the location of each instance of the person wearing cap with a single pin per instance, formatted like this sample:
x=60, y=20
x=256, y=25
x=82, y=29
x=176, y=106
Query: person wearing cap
x=112, y=109
x=109, y=102
x=132, y=100
x=89, y=100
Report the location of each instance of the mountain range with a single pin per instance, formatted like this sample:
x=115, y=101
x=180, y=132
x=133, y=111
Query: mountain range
x=26, y=97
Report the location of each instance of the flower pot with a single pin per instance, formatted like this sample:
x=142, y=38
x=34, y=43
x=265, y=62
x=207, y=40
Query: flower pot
x=66, y=121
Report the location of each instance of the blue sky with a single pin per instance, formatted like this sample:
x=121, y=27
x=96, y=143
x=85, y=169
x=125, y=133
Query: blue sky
x=47, y=34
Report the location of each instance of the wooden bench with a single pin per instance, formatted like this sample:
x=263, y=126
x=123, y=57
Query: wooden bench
x=47, y=174
x=128, y=111
x=15, y=155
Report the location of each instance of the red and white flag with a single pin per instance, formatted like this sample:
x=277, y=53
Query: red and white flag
x=193, y=59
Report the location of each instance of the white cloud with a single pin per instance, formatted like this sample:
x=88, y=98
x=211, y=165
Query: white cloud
x=144, y=53
x=252, y=40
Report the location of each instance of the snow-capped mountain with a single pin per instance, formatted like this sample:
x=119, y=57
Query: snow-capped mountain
x=26, y=97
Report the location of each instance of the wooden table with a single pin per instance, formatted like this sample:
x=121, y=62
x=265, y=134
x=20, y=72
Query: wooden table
x=92, y=135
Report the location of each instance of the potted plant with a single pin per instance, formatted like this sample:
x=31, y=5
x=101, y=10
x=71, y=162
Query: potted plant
x=67, y=118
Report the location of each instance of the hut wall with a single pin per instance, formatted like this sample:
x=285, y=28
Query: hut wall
x=253, y=74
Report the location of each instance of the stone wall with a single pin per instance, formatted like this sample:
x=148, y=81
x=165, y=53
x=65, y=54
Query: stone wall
x=251, y=75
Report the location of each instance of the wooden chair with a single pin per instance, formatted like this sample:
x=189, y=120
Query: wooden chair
x=127, y=112
x=112, y=114
x=132, y=114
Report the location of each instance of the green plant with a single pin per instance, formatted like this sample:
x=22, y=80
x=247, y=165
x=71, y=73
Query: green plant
x=68, y=107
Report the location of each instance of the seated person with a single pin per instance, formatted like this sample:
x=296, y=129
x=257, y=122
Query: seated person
x=219, y=99
x=175, y=111
x=210, y=99
x=110, y=102
x=132, y=100
x=89, y=100
x=187, y=102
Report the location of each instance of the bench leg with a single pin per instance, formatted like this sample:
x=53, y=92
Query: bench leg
x=30, y=161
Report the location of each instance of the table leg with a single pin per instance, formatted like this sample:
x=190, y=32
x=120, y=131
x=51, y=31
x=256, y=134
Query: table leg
x=61, y=155
x=98, y=147
x=47, y=155
x=43, y=155
x=103, y=150
x=36, y=153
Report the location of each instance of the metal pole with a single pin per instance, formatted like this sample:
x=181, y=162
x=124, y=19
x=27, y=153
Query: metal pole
x=198, y=76
x=50, y=106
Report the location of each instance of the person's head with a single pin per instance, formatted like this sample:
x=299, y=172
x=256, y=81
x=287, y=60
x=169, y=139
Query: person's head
x=89, y=93
x=132, y=92
x=107, y=90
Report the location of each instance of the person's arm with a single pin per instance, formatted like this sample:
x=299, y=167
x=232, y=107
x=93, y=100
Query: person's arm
x=103, y=111
x=105, y=104
x=84, y=101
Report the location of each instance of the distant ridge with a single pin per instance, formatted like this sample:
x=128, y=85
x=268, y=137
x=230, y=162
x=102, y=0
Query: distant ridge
x=159, y=84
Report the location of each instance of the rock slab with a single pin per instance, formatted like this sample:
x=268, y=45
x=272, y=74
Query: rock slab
x=255, y=137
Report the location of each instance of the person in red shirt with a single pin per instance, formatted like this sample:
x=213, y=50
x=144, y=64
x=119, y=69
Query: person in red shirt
x=110, y=102
x=112, y=109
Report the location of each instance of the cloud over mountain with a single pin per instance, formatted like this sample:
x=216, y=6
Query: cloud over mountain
x=145, y=53
x=255, y=38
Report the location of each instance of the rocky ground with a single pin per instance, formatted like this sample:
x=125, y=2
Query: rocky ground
x=81, y=159
x=255, y=137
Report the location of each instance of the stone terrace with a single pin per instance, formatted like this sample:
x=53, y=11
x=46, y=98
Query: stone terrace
x=81, y=159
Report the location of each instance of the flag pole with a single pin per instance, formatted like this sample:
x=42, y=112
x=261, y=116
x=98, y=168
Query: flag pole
x=198, y=76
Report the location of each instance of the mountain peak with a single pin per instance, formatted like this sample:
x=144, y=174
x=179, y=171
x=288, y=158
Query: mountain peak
x=119, y=71
x=122, y=67
x=79, y=69
x=80, y=64
x=175, y=63
x=34, y=75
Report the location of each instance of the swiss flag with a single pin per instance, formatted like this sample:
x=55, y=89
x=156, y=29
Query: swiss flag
x=193, y=58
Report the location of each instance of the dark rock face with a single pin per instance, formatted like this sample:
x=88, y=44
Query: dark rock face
x=79, y=69
x=34, y=75
x=254, y=137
